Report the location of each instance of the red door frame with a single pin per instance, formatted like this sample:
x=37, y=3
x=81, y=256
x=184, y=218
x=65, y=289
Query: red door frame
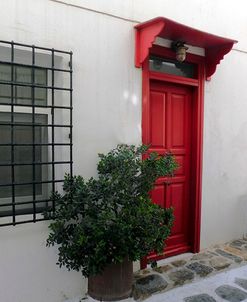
x=197, y=127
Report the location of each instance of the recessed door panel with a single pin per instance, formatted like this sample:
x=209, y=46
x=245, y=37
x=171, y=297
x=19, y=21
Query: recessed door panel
x=157, y=128
x=177, y=120
x=177, y=202
x=158, y=195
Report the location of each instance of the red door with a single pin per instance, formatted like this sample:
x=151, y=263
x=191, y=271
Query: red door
x=169, y=130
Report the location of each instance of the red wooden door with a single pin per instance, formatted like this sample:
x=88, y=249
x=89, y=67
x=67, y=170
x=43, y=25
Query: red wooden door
x=169, y=130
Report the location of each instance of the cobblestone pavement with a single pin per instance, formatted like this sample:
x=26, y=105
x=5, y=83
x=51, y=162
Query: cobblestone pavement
x=229, y=286
x=219, y=263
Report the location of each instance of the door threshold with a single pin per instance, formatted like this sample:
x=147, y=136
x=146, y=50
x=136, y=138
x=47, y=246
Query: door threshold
x=172, y=258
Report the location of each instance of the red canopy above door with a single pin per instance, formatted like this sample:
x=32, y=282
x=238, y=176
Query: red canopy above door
x=215, y=47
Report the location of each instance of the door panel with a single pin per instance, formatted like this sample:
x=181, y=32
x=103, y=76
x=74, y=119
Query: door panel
x=177, y=120
x=170, y=131
x=157, y=129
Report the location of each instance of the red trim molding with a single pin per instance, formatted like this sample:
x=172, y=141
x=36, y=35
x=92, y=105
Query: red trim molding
x=215, y=47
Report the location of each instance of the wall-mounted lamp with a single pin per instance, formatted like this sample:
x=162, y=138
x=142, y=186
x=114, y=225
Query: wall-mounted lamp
x=180, y=49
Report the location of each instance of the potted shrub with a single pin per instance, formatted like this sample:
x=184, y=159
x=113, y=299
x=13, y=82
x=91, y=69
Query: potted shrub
x=102, y=225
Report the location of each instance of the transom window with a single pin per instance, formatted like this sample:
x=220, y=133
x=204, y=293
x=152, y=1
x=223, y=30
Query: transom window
x=162, y=65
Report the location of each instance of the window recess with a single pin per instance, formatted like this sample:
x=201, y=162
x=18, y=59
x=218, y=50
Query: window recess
x=35, y=129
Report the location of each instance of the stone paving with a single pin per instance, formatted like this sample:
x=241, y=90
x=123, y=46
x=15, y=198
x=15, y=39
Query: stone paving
x=227, y=286
x=210, y=262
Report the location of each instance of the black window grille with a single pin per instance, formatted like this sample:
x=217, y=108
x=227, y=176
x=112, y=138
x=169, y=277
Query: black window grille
x=35, y=129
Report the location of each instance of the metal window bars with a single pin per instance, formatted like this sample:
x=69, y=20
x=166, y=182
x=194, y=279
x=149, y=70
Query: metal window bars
x=16, y=206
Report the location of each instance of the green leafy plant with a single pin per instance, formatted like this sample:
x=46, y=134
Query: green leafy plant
x=104, y=220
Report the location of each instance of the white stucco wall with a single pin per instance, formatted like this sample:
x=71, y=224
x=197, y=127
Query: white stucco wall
x=28, y=271
x=107, y=103
x=224, y=202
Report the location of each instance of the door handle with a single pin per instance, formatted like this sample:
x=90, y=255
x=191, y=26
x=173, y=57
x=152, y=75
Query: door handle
x=167, y=183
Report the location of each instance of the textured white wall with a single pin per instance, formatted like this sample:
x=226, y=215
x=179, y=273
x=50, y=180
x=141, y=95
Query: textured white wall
x=224, y=202
x=107, y=102
x=28, y=271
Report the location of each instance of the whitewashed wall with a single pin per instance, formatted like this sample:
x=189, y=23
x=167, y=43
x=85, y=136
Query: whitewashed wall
x=107, y=102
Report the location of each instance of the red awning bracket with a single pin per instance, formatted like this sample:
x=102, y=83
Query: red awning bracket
x=215, y=47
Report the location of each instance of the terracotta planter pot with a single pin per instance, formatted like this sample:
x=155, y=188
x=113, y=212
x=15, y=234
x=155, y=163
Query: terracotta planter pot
x=115, y=283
